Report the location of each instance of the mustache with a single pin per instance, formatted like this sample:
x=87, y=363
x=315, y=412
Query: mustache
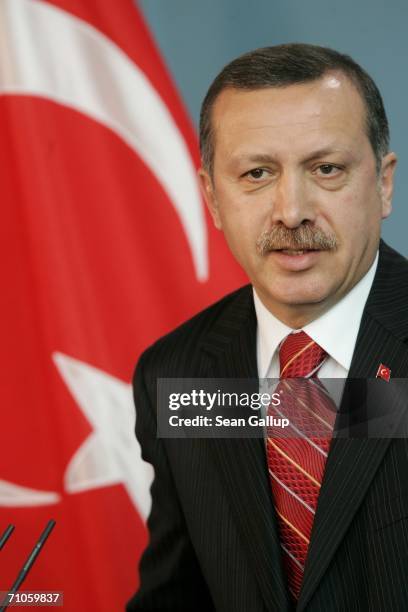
x=302, y=238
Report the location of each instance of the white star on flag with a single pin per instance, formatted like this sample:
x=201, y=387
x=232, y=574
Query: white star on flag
x=111, y=454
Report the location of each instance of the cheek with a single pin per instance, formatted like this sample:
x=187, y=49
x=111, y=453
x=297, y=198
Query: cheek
x=239, y=233
x=355, y=215
x=240, y=215
x=241, y=228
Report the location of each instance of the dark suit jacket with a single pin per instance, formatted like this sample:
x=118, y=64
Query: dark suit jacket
x=213, y=534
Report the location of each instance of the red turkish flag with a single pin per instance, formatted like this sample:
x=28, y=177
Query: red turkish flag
x=383, y=372
x=106, y=246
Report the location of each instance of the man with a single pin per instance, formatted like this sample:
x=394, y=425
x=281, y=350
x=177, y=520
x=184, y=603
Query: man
x=298, y=176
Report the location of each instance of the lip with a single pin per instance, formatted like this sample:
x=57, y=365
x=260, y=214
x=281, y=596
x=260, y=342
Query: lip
x=296, y=263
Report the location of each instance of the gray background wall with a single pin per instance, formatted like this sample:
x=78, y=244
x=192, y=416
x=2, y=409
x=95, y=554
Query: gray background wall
x=198, y=37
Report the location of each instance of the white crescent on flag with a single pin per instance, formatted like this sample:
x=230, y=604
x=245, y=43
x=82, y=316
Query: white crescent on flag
x=14, y=496
x=53, y=54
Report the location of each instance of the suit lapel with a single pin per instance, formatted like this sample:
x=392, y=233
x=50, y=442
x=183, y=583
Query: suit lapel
x=241, y=463
x=352, y=463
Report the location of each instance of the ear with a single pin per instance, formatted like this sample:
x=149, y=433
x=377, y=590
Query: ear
x=386, y=179
x=207, y=189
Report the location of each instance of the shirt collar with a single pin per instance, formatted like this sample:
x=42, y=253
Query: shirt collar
x=335, y=331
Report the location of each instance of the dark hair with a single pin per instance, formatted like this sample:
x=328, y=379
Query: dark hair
x=284, y=65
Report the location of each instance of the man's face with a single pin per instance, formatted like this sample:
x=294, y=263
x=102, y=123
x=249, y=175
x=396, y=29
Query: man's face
x=296, y=192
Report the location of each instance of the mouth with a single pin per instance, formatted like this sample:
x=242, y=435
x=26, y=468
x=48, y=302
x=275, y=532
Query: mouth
x=296, y=251
x=296, y=260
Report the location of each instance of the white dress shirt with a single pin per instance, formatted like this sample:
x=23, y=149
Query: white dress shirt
x=335, y=331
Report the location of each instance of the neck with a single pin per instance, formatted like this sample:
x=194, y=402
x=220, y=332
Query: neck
x=296, y=316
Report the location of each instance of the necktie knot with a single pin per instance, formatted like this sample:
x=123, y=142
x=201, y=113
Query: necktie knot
x=300, y=356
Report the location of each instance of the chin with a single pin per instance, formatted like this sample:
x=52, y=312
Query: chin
x=302, y=300
x=301, y=296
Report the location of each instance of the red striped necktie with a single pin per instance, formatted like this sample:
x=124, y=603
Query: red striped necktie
x=297, y=457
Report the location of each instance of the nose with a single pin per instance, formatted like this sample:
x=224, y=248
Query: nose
x=292, y=203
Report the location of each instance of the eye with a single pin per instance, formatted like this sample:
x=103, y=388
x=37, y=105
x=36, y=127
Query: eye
x=256, y=174
x=328, y=170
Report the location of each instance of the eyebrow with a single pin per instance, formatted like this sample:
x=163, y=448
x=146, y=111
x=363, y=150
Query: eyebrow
x=261, y=158
x=327, y=151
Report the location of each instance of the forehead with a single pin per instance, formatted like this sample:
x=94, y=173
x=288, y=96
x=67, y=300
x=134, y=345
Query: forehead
x=293, y=117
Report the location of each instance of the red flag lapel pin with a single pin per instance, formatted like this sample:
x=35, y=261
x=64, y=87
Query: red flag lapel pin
x=383, y=372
